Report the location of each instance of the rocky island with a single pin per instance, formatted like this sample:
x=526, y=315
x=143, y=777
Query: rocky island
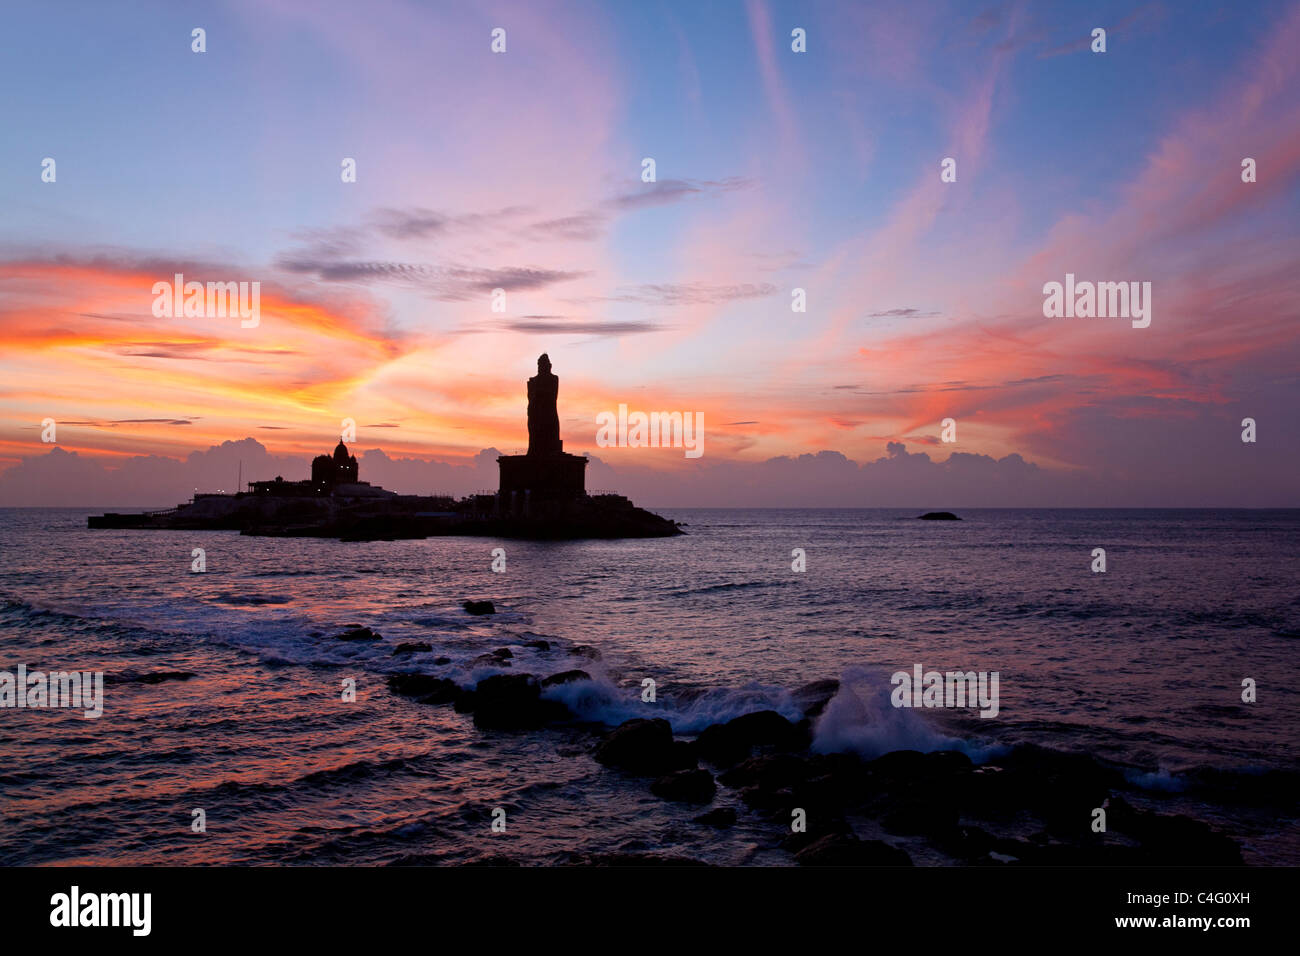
x=542, y=495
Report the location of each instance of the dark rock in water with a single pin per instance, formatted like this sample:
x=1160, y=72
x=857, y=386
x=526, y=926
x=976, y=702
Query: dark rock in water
x=501, y=657
x=819, y=825
x=153, y=677
x=539, y=644
x=730, y=743
x=813, y=698
x=1033, y=760
x=923, y=812
x=990, y=793
x=836, y=782
x=721, y=817
x=918, y=793
x=816, y=785
x=1172, y=840
x=686, y=786
x=479, y=607
x=585, y=650
x=839, y=849
x=1060, y=788
x=643, y=746
x=769, y=771
x=441, y=661
x=447, y=692
x=412, y=648
x=513, y=702
x=781, y=799
x=908, y=767
x=565, y=677
x=425, y=689
x=939, y=516
x=356, y=632
x=412, y=685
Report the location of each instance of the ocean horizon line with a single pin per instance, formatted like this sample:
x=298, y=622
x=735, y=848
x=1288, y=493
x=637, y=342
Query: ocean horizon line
x=83, y=507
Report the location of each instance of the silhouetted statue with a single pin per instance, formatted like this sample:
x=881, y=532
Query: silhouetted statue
x=547, y=473
x=543, y=419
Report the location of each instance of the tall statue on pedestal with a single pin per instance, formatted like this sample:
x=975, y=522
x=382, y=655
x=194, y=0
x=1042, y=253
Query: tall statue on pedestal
x=547, y=475
x=543, y=418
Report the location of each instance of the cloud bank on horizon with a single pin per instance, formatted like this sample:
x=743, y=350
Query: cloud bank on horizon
x=776, y=170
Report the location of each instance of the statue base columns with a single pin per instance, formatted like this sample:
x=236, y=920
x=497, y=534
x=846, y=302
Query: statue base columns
x=555, y=477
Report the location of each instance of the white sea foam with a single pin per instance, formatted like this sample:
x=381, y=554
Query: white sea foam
x=860, y=719
x=1161, y=779
x=602, y=701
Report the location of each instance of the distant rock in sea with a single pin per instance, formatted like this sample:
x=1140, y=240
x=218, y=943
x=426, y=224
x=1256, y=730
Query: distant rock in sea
x=720, y=817
x=153, y=677
x=355, y=632
x=938, y=516
x=413, y=647
x=685, y=786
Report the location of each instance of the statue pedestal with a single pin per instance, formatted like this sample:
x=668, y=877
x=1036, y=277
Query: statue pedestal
x=557, y=477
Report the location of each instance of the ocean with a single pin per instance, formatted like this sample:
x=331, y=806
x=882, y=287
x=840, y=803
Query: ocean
x=1141, y=667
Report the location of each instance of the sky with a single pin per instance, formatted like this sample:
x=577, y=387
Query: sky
x=775, y=170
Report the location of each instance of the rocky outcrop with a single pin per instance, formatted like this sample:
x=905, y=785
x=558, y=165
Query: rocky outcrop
x=565, y=677
x=355, y=632
x=425, y=689
x=975, y=815
x=414, y=647
x=719, y=817
x=644, y=746
x=511, y=702
x=730, y=743
x=501, y=657
x=685, y=786
x=812, y=698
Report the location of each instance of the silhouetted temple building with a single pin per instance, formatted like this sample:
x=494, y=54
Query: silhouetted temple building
x=334, y=475
x=547, y=472
x=341, y=469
